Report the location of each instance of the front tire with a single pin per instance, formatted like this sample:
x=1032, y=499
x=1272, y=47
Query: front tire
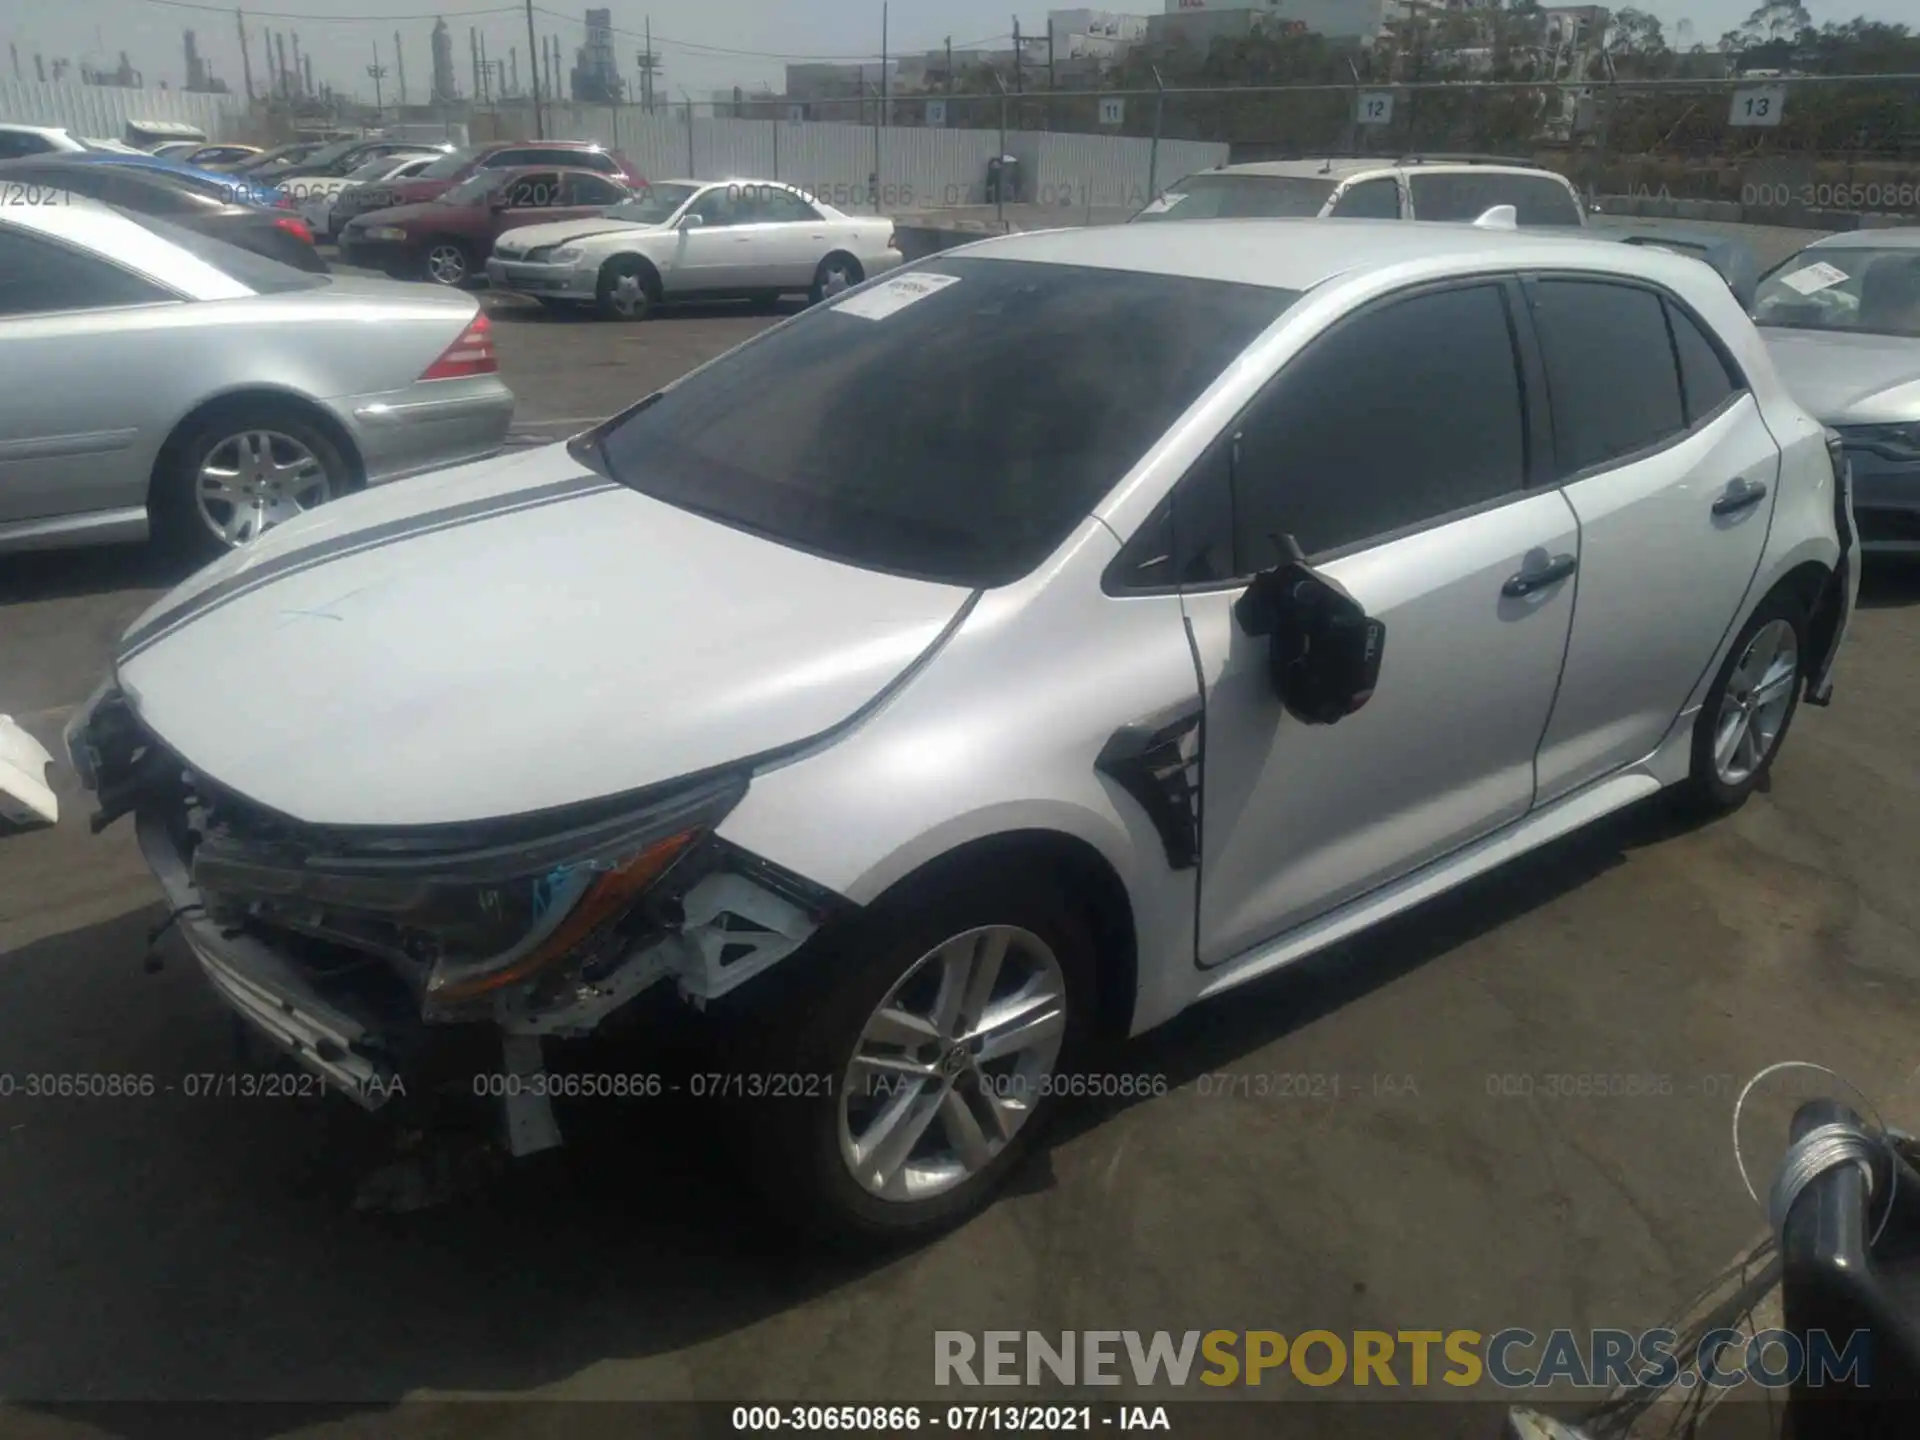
x=835, y=273
x=447, y=262
x=1752, y=702
x=940, y=1033
x=628, y=289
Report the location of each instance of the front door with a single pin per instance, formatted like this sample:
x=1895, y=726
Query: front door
x=1672, y=472
x=1394, y=450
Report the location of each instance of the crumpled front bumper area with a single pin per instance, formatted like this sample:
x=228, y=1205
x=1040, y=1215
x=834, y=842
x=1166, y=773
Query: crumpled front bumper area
x=284, y=1005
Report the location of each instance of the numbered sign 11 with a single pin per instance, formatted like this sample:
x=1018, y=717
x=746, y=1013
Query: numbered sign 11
x=1375, y=107
x=1112, y=111
x=936, y=112
x=1759, y=105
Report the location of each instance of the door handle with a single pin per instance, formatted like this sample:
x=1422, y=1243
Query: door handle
x=1528, y=581
x=1735, y=501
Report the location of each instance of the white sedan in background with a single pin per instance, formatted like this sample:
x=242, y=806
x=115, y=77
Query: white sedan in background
x=315, y=194
x=681, y=239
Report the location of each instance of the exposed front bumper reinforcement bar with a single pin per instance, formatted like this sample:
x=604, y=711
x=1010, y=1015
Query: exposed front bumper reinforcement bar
x=266, y=991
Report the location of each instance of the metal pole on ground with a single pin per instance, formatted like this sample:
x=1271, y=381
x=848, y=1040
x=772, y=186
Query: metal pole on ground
x=1153, y=150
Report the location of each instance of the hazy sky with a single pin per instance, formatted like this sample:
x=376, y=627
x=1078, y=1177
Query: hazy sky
x=696, y=39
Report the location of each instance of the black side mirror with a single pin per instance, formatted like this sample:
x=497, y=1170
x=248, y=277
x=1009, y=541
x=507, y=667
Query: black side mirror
x=1324, y=650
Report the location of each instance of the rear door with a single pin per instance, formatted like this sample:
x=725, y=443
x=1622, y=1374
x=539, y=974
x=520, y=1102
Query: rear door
x=1662, y=453
x=1429, y=522
x=78, y=368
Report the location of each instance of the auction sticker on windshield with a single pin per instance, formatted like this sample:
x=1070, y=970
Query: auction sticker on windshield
x=895, y=294
x=1817, y=276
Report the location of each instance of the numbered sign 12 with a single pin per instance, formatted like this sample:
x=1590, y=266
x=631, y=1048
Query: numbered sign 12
x=1375, y=107
x=936, y=112
x=1758, y=105
x=1112, y=111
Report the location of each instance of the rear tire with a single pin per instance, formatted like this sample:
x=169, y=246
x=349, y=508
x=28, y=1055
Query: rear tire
x=1744, y=720
x=188, y=515
x=820, y=1157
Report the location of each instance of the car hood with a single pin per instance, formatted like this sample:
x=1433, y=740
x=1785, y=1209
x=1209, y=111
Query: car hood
x=508, y=637
x=527, y=237
x=1848, y=379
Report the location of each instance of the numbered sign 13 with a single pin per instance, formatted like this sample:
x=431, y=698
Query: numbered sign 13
x=1758, y=105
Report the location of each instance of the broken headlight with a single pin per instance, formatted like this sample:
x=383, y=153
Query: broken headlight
x=464, y=912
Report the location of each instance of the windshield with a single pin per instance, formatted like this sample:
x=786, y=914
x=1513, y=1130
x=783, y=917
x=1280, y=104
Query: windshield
x=474, y=189
x=256, y=272
x=1241, y=197
x=953, y=422
x=448, y=166
x=654, y=205
x=1865, y=289
x=376, y=169
x=327, y=154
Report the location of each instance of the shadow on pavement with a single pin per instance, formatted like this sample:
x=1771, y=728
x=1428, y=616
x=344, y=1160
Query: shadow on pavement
x=1890, y=582
x=96, y=570
x=175, y=1248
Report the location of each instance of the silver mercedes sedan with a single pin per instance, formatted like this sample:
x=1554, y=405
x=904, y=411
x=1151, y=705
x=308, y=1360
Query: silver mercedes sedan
x=155, y=381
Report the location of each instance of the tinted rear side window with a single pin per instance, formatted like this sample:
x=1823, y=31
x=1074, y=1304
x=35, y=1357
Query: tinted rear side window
x=1401, y=415
x=1370, y=199
x=1611, y=374
x=1705, y=381
x=1467, y=195
x=957, y=436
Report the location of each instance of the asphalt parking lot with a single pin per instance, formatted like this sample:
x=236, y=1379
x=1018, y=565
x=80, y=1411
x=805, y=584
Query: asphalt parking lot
x=172, y=1248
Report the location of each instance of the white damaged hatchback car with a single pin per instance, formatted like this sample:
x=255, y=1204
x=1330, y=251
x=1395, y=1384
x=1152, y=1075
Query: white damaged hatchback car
x=1006, y=655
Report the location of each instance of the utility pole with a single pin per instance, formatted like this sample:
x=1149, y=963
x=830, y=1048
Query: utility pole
x=14, y=51
x=297, y=86
x=949, y=64
x=512, y=86
x=486, y=73
x=280, y=59
x=378, y=72
x=885, y=111
x=539, y=124
x=267, y=84
x=649, y=62
x=246, y=60
x=400, y=67
x=473, y=49
x=1019, y=82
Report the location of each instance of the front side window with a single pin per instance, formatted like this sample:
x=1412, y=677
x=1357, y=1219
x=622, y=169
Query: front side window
x=653, y=204
x=1314, y=461
x=1241, y=197
x=1863, y=289
x=782, y=207
x=721, y=205
x=1469, y=194
x=591, y=190
x=954, y=421
x=40, y=277
x=1612, y=379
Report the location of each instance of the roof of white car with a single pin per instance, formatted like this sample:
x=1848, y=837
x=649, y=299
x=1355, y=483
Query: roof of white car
x=1342, y=168
x=1299, y=254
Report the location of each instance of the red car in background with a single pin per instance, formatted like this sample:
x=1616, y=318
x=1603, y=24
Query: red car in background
x=462, y=165
x=448, y=239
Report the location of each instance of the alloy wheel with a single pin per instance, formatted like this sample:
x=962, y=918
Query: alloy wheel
x=628, y=294
x=252, y=481
x=835, y=278
x=447, y=264
x=952, y=1063
x=1759, y=692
